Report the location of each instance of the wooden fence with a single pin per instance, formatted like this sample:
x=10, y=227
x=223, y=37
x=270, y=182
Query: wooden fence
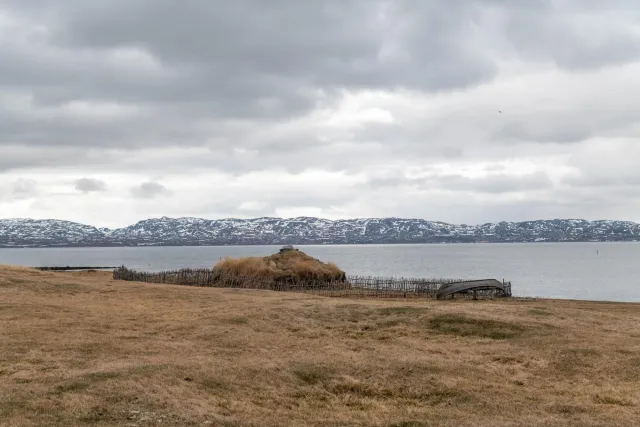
x=353, y=286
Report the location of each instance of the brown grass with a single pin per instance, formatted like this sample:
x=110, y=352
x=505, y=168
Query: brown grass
x=79, y=349
x=464, y=326
x=285, y=265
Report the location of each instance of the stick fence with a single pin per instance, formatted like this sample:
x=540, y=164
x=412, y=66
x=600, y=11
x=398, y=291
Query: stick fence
x=353, y=286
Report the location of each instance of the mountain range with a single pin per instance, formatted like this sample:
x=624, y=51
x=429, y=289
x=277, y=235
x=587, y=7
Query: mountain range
x=305, y=230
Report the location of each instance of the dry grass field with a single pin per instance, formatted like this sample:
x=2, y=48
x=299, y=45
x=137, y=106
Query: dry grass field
x=82, y=349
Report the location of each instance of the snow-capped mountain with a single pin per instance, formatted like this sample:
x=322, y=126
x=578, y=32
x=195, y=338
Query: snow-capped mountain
x=304, y=230
x=48, y=232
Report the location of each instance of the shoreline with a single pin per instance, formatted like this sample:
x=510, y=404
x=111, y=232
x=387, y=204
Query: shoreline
x=513, y=298
x=320, y=244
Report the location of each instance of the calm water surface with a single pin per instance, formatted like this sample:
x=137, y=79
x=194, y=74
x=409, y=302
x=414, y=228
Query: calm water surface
x=591, y=271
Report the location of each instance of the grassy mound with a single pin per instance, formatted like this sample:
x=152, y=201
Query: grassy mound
x=288, y=265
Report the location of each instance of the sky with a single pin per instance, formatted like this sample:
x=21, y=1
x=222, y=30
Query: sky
x=465, y=111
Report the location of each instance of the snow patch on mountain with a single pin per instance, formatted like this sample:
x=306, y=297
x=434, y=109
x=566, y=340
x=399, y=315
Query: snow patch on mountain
x=18, y=232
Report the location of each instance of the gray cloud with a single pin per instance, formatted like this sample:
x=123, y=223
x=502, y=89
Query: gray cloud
x=109, y=74
x=24, y=188
x=490, y=184
x=317, y=45
x=149, y=190
x=605, y=169
x=496, y=184
x=88, y=185
x=568, y=34
x=381, y=91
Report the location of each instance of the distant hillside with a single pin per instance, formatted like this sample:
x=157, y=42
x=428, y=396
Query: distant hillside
x=304, y=230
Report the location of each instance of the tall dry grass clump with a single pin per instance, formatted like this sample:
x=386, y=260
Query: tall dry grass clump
x=289, y=265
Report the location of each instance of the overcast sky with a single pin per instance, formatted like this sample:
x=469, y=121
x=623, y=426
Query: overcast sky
x=112, y=111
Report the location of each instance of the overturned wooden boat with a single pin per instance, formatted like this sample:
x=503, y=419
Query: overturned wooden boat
x=473, y=286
